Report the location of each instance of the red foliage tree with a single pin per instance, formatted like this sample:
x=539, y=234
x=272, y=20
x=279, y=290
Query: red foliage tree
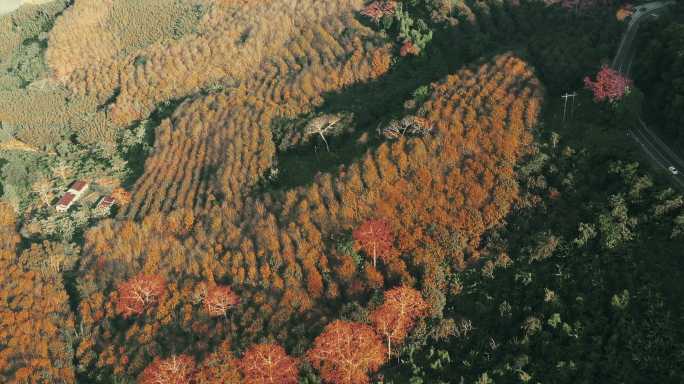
x=139, y=293
x=345, y=353
x=378, y=9
x=174, y=370
x=408, y=48
x=609, y=84
x=219, y=299
x=375, y=239
x=269, y=363
x=397, y=315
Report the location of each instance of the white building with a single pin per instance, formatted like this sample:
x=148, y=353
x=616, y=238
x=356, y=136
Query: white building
x=73, y=194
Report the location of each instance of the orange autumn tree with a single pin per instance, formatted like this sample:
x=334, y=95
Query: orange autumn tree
x=138, y=294
x=269, y=364
x=36, y=323
x=374, y=237
x=219, y=367
x=346, y=352
x=122, y=196
x=275, y=248
x=395, y=318
x=219, y=299
x=174, y=370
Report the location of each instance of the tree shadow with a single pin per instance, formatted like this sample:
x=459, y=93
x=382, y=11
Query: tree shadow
x=372, y=103
x=136, y=155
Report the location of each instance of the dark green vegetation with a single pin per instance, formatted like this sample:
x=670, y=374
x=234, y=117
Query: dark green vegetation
x=24, y=39
x=563, y=46
x=591, y=291
x=582, y=283
x=659, y=72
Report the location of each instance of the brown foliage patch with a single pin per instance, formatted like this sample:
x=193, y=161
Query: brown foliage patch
x=439, y=193
x=35, y=319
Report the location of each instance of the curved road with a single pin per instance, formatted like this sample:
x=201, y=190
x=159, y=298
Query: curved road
x=654, y=147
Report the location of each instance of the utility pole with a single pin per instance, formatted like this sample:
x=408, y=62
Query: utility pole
x=565, y=103
x=572, y=108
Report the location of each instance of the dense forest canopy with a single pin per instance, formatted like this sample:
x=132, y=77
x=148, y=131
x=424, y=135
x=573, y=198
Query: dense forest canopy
x=659, y=70
x=344, y=192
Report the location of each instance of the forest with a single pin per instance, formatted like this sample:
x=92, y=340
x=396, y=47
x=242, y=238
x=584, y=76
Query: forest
x=660, y=72
x=341, y=192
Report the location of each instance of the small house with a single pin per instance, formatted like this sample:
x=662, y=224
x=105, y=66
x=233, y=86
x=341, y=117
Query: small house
x=74, y=193
x=66, y=202
x=78, y=187
x=105, y=203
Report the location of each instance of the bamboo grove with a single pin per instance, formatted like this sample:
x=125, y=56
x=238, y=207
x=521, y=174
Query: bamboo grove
x=279, y=253
x=231, y=40
x=228, y=135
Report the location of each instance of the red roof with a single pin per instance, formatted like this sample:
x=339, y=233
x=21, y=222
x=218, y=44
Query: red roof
x=67, y=199
x=106, y=202
x=79, y=185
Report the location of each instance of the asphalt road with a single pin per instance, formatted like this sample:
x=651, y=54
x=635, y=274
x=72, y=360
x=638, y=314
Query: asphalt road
x=654, y=147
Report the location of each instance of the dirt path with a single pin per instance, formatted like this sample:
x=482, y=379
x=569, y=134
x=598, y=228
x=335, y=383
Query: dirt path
x=17, y=145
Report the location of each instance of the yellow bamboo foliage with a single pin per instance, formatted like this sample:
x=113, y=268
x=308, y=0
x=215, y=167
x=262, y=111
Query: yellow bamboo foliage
x=230, y=41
